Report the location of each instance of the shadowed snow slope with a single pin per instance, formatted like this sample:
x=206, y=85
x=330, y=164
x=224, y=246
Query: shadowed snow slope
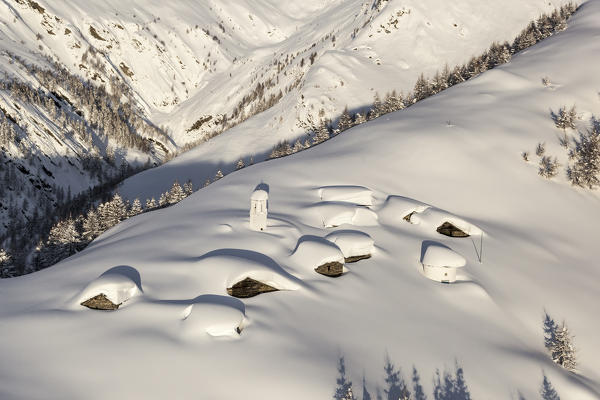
x=540, y=252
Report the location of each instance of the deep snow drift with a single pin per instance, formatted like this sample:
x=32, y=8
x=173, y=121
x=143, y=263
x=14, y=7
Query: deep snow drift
x=455, y=157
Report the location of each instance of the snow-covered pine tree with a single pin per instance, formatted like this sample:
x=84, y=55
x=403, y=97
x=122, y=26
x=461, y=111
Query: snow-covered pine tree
x=377, y=109
x=422, y=89
x=298, y=146
x=240, y=164
x=116, y=211
x=322, y=133
x=548, y=167
x=540, y=149
x=393, y=102
x=565, y=118
x=547, y=391
x=585, y=170
x=218, y=175
x=163, y=199
x=359, y=119
x=345, y=121
x=440, y=80
x=150, y=203
x=282, y=149
x=562, y=350
x=136, y=208
x=63, y=241
x=176, y=193
x=91, y=226
x=6, y=270
x=188, y=188
x=525, y=39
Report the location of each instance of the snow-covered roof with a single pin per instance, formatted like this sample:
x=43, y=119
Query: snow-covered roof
x=437, y=255
x=352, y=243
x=259, y=195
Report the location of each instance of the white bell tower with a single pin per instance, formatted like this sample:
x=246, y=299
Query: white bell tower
x=258, y=210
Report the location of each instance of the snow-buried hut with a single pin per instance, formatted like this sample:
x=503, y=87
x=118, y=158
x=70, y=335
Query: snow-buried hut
x=440, y=263
x=258, y=210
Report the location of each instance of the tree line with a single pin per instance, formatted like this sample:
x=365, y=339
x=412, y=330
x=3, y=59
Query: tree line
x=320, y=129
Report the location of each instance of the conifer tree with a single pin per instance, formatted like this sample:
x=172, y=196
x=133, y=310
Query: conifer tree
x=176, y=194
x=565, y=118
x=322, y=133
x=422, y=89
x=164, y=199
x=6, y=271
x=359, y=119
x=562, y=350
x=345, y=121
x=548, y=167
x=585, y=170
x=298, y=146
x=136, y=208
x=91, y=226
x=378, y=108
x=150, y=203
x=188, y=188
x=115, y=211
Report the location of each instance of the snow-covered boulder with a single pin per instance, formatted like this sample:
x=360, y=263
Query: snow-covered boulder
x=318, y=254
x=355, y=245
x=233, y=266
x=111, y=289
x=352, y=194
x=399, y=208
x=441, y=220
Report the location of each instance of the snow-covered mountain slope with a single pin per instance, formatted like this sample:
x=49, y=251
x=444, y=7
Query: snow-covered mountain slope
x=191, y=60
x=100, y=90
x=453, y=157
x=377, y=49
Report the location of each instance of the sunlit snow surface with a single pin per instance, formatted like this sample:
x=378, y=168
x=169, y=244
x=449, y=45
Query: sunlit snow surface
x=182, y=336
